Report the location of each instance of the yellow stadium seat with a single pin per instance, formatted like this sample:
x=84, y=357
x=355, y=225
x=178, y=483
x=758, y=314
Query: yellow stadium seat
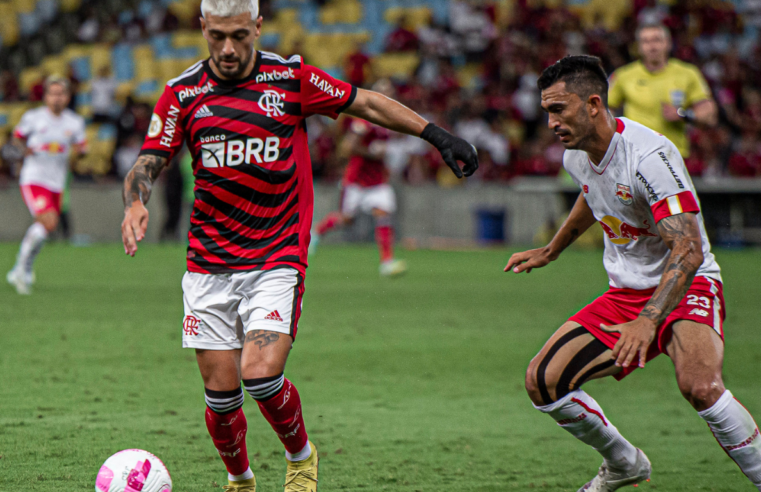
x=186, y=39
x=18, y=110
x=395, y=64
x=467, y=75
x=123, y=90
x=30, y=76
x=415, y=16
x=23, y=6
x=341, y=11
x=9, y=27
x=100, y=57
x=70, y=5
x=73, y=51
x=55, y=64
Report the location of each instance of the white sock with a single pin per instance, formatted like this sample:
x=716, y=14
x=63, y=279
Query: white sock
x=246, y=475
x=734, y=428
x=579, y=414
x=301, y=455
x=31, y=245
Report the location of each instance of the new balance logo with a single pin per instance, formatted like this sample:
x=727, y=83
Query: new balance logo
x=700, y=312
x=204, y=112
x=274, y=316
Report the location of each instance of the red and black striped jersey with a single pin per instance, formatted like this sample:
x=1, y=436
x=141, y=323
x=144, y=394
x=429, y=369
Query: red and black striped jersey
x=253, y=175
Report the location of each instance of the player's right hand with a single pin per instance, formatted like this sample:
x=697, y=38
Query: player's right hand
x=134, y=226
x=452, y=149
x=528, y=260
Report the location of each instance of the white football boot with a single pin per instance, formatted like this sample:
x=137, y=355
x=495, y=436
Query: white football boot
x=21, y=280
x=393, y=268
x=609, y=479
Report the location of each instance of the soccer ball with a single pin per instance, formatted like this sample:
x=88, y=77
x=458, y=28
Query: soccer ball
x=133, y=470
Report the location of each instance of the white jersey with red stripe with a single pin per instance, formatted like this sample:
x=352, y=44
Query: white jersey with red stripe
x=641, y=180
x=50, y=138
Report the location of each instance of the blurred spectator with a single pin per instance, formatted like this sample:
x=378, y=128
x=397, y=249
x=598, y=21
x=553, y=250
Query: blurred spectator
x=126, y=155
x=401, y=38
x=89, y=29
x=103, y=91
x=357, y=66
x=9, y=86
x=74, y=87
x=37, y=91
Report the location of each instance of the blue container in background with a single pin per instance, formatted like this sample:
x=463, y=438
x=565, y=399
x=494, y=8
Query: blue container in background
x=490, y=225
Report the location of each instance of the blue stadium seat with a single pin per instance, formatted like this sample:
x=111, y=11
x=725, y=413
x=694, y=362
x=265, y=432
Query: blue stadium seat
x=123, y=64
x=82, y=68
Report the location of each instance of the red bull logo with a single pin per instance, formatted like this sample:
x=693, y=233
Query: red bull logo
x=53, y=148
x=624, y=194
x=619, y=232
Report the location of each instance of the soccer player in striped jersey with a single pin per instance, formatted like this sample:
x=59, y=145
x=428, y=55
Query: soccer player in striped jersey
x=241, y=113
x=365, y=187
x=665, y=292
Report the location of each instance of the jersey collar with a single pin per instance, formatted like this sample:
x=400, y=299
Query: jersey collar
x=599, y=169
x=235, y=82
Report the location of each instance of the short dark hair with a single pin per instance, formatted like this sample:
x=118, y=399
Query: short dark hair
x=652, y=25
x=583, y=75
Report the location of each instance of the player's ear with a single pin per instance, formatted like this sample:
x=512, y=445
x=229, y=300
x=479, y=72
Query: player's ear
x=258, y=27
x=203, y=28
x=595, y=104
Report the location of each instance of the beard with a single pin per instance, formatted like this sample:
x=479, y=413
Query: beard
x=234, y=73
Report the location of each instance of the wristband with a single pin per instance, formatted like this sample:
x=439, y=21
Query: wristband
x=687, y=115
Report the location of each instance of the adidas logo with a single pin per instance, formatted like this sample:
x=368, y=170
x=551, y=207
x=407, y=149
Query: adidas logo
x=204, y=112
x=273, y=316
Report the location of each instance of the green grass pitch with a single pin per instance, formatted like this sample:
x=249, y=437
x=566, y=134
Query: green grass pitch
x=412, y=384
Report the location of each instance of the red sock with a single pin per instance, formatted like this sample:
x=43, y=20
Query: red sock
x=330, y=222
x=228, y=431
x=384, y=236
x=283, y=412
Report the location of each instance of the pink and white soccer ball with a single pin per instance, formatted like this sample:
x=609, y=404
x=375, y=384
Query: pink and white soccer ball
x=133, y=470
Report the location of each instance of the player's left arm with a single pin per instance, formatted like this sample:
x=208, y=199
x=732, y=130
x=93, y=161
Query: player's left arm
x=383, y=111
x=699, y=107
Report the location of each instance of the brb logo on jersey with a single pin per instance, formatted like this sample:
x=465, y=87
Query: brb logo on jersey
x=235, y=152
x=619, y=232
x=272, y=102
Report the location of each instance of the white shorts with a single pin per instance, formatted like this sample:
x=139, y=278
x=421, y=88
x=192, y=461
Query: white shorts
x=359, y=198
x=221, y=308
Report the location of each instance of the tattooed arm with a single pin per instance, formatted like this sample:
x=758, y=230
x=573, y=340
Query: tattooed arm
x=579, y=220
x=681, y=233
x=137, y=191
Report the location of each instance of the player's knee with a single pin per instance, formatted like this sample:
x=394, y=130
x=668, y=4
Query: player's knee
x=702, y=393
x=223, y=402
x=264, y=388
x=49, y=221
x=532, y=384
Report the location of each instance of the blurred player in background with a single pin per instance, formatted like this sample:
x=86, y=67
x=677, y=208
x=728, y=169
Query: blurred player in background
x=241, y=113
x=49, y=136
x=660, y=92
x=365, y=186
x=665, y=292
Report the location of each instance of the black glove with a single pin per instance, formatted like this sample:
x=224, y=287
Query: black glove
x=452, y=149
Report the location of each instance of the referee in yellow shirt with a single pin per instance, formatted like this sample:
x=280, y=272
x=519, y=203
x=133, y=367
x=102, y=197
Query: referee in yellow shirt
x=662, y=93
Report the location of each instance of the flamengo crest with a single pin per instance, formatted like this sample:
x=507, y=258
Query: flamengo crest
x=272, y=102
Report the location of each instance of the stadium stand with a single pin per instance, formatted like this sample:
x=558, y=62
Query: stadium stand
x=475, y=63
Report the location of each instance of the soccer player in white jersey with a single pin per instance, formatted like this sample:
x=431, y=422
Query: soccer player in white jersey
x=665, y=292
x=49, y=135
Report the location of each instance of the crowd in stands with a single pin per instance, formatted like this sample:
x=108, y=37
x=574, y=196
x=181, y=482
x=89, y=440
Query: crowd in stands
x=477, y=77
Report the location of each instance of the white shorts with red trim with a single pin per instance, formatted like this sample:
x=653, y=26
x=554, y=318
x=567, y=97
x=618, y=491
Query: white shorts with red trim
x=704, y=303
x=355, y=198
x=39, y=199
x=221, y=308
